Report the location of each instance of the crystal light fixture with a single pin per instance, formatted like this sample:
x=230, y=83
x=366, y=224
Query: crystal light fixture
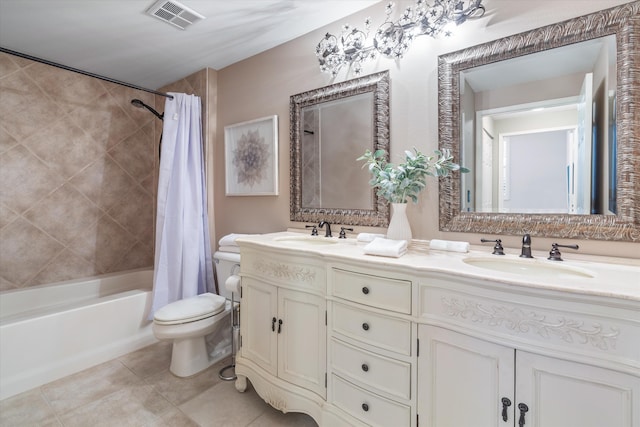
x=392, y=39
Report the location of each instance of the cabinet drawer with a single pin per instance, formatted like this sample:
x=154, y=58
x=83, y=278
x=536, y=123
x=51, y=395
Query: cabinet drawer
x=372, y=328
x=376, y=291
x=389, y=375
x=369, y=407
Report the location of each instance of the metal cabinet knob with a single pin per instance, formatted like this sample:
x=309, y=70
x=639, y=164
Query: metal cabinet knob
x=365, y=290
x=365, y=407
x=365, y=367
x=365, y=326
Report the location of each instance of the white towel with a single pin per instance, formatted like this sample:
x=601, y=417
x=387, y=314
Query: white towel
x=230, y=239
x=449, y=245
x=386, y=247
x=368, y=237
x=233, y=249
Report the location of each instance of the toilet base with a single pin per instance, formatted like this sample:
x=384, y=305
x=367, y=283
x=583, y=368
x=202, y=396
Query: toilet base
x=189, y=356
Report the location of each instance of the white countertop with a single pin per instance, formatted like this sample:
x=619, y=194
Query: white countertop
x=599, y=276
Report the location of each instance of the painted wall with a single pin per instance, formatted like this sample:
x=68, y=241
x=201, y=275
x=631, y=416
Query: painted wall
x=77, y=175
x=261, y=85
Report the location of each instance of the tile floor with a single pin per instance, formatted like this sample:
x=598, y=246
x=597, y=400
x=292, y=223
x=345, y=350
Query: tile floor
x=138, y=390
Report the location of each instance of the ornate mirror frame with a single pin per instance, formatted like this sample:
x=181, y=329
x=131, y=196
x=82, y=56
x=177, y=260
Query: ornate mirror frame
x=377, y=83
x=624, y=22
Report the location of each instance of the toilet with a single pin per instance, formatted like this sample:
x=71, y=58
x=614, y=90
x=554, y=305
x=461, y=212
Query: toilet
x=200, y=326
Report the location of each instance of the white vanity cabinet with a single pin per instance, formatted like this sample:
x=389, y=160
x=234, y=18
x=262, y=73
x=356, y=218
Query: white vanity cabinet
x=534, y=359
x=426, y=341
x=283, y=329
x=285, y=333
x=371, y=346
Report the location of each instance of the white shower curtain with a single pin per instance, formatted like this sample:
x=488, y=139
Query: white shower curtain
x=183, y=265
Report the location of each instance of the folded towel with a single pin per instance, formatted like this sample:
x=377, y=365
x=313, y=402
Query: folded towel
x=449, y=245
x=368, y=237
x=230, y=239
x=386, y=247
x=234, y=249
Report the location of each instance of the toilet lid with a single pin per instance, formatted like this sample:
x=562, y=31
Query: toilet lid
x=190, y=309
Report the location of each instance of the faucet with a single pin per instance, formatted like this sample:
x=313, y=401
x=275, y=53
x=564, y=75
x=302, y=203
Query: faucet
x=328, y=229
x=526, y=247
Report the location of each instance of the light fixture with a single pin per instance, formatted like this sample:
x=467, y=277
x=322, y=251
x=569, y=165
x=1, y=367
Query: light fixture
x=392, y=39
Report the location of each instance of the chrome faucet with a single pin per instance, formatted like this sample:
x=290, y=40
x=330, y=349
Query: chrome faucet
x=327, y=233
x=526, y=247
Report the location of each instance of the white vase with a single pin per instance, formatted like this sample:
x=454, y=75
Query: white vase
x=399, y=228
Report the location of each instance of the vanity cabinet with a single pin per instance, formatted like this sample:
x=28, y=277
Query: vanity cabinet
x=514, y=358
x=466, y=381
x=371, y=347
x=277, y=322
x=419, y=341
x=283, y=330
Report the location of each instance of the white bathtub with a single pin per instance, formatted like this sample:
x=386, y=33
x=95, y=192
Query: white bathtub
x=50, y=331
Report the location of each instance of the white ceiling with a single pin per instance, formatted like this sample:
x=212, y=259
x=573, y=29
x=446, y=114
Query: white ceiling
x=118, y=40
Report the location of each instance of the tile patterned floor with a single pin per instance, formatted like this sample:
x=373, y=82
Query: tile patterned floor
x=138, y=390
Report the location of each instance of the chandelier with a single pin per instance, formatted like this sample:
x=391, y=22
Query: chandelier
x=392, y=39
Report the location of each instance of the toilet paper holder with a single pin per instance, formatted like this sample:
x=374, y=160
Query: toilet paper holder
x=233, y=284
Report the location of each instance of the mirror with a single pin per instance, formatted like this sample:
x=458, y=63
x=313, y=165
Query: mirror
x=330, y=128
x=592, y=138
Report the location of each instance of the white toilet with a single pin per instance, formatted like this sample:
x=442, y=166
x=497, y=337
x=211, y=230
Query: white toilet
x=193, y=323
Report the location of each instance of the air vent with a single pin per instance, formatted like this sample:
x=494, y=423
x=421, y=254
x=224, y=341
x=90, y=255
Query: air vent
x=174, y=13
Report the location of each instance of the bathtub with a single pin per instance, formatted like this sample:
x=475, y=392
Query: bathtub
x=51, y=331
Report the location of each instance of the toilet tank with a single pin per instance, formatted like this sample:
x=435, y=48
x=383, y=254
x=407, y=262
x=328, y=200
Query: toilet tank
x=226, y=264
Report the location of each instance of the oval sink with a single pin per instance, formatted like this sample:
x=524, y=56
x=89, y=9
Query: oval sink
x=307, y=240
x=531, y=268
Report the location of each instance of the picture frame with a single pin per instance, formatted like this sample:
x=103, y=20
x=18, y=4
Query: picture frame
x=251, y=157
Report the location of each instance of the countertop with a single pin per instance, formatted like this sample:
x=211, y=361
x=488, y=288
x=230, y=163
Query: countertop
x=589, y=275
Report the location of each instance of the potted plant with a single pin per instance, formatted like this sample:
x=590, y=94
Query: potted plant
x=399, y=183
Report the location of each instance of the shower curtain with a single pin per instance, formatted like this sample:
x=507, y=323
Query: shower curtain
x=183, y=266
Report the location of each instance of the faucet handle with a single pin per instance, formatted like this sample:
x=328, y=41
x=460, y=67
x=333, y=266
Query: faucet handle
x=343, y=234
x=497, y=249
x=314, y=231
x=554, y=253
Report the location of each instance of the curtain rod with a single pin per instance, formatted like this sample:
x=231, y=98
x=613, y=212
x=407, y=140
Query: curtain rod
x=86, y=73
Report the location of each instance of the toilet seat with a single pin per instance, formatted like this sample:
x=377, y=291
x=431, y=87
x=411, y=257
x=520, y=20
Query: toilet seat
x=190, y=309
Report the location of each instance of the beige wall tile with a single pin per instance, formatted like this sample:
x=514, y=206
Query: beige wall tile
x=57, y=181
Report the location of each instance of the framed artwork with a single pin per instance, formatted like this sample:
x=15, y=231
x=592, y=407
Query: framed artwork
x=251, y=157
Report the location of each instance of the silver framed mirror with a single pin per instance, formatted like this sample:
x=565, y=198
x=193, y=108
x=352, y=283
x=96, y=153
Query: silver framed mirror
x=622, y=222
x=330, y=128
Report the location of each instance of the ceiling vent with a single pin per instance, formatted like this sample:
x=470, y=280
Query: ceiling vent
x=174, y=13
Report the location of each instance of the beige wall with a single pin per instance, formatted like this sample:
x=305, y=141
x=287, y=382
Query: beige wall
x=261, y=85
x=77, y=179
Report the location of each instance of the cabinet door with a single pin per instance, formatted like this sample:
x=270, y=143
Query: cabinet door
x=461, y=380
x=302, y=343
x=258, y=324
x=569, y=394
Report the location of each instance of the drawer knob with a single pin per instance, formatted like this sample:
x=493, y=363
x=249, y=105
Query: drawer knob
x=365, y=367
x=365, y=290
x=365, y=407
x=365, y=326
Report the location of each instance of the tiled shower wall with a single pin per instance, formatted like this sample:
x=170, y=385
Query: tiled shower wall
x=77, y=175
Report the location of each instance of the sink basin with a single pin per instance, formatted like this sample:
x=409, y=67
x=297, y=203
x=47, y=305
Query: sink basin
x=307, y=240
x=528, y=267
